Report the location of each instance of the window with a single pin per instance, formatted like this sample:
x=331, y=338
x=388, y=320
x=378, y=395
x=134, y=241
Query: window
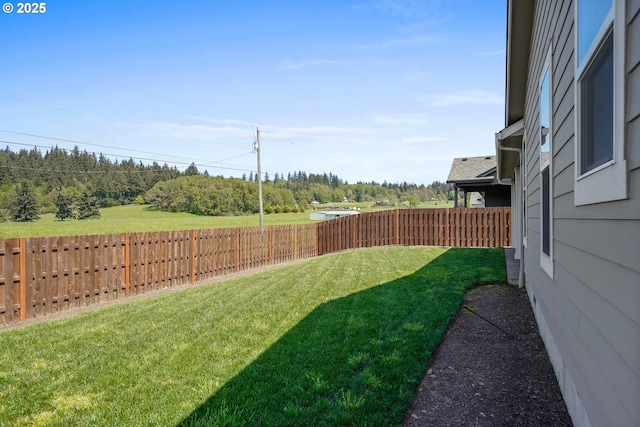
x=546, y=161
x=596, y=94
x=546, y=213
x=545, y=119
x=600, y=164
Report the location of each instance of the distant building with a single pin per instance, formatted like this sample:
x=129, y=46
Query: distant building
x=478, y=174
x=476, y=200
x=322, y=216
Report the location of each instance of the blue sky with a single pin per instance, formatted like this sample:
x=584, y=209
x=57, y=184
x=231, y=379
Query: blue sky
x=384, y=90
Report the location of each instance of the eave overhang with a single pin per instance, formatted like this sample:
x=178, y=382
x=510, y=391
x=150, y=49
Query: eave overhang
x=519, y=28
x=472, y=181
x=509, y=139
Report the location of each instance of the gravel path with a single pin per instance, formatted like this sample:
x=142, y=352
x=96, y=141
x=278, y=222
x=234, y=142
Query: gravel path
x=483, y=375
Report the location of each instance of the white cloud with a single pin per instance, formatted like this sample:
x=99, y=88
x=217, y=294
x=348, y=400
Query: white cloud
x=222, y=121
x=420, y=140
x=404, y=42
x=240, y=134
x=409, y=8
x=234, y=135
x=479, y=97
x=414, y=27
x=295, y=65
x=492, y=53
x=317, y=134
x=405, y=119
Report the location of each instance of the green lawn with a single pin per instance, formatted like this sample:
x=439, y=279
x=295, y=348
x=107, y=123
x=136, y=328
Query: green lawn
x=341, y=339
x=138, y=218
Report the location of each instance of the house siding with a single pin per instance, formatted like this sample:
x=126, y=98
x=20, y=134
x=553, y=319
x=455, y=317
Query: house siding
x=588, y=309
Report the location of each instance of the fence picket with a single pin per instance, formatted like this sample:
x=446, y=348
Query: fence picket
x=12, y=275
x=6, y=277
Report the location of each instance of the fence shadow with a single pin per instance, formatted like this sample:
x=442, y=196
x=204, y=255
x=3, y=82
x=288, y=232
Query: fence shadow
x=357, y=359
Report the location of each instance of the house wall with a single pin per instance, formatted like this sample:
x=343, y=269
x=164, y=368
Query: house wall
x=501, y=196
x=589, y=310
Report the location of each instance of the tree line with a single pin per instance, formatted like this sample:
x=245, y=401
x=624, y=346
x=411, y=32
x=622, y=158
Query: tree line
x=75, y=184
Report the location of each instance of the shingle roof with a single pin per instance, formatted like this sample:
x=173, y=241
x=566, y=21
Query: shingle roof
x=479, y=168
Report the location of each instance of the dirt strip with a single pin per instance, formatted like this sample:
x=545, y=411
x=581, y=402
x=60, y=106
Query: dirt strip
x=491, y=369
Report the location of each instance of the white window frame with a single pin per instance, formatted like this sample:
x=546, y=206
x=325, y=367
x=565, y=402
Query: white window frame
x=607, y=182
x=546, y=261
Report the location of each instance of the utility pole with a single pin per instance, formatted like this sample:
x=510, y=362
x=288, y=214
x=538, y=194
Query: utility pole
x=257, y=149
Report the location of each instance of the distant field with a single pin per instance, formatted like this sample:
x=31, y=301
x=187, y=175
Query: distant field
x=136, y=218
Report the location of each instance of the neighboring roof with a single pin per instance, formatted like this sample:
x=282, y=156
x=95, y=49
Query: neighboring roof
x=472, y=170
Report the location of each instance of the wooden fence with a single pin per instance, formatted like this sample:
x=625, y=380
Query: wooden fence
x=462, y=227
x=44, y=275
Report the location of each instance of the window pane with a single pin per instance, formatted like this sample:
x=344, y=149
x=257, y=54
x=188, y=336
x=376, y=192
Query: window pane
x=545, y=115
x=591, y=14
x=597, y=109
x=546, y=213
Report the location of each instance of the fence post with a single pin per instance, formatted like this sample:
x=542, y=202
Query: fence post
x=354, y=230
x=397, y=227
x=237, y=249
x=23, y=279
x=271, y=245
x=127, y=264
x=295, y=241
x=193, y=256
x=446, y=228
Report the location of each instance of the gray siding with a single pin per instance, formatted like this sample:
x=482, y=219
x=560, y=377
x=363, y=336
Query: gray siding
x=591, y=306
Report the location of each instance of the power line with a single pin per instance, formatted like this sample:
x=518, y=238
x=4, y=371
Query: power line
x=204, y=165
x=91, y=144
x=112, y=147
x=93, y=116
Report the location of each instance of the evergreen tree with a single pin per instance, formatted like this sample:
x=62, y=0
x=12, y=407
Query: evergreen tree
x=191, y=170
x=63, y=205
x=25, y=206
x=88, y=206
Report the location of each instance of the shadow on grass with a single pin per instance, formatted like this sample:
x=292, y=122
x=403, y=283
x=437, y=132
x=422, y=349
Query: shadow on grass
x=356, y=360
